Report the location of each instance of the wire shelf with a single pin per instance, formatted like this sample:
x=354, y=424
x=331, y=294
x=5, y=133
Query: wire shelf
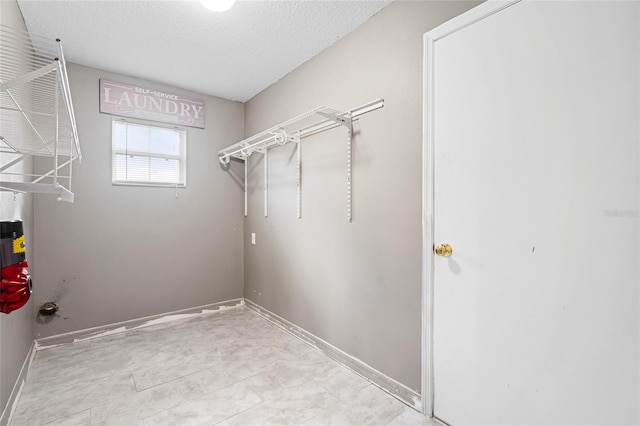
x=36, y=115
x=292, y=131
x=278, y=135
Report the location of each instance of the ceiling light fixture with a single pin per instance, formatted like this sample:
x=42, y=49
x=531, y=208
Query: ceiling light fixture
x=217, y=5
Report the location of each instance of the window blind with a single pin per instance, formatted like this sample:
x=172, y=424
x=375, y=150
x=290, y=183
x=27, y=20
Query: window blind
x=148, y=155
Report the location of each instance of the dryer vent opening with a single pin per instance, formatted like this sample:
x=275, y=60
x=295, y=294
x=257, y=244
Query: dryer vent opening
x=48, y=309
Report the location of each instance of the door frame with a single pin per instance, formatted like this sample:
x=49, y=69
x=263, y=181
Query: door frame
x=470, y=17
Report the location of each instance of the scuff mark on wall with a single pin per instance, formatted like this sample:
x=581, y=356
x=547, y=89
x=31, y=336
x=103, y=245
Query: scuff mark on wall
x=61, y=290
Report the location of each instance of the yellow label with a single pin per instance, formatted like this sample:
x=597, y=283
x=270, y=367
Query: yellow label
x=18, y=245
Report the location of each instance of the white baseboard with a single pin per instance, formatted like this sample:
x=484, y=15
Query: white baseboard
x=389, y=385
x=8, y=409
x=104, y=330
x=123, y=326
x=386, y=383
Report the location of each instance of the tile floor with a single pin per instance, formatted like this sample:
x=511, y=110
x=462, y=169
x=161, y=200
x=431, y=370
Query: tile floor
x=226, y=368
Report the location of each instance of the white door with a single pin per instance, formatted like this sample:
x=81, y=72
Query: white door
x=536, y=157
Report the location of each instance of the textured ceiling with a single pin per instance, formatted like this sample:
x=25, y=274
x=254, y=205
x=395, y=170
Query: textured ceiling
x=234, y=54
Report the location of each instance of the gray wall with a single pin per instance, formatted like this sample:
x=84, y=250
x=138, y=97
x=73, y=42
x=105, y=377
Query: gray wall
x=119, y=252
x=356, y=285
x=16, y=329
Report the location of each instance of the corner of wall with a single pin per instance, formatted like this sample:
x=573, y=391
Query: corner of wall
x=17, y=328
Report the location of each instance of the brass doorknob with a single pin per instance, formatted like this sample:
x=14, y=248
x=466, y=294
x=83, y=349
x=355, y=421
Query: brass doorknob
x=444, y=250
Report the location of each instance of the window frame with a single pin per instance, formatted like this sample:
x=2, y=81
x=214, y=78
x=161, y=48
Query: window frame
x=182, y=158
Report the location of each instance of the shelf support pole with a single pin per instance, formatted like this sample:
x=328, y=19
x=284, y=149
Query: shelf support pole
x=56, y=147
x=246, y=192
x=296, y=139
x=349, y=161
x=266, y=182
x=347, y=121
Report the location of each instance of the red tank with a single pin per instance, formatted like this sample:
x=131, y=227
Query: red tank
x=15, y=285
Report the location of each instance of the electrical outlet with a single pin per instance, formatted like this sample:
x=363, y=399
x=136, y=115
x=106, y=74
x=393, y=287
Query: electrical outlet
x=253, y=238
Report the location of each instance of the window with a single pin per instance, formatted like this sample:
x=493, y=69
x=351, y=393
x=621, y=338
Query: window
x=148, y=155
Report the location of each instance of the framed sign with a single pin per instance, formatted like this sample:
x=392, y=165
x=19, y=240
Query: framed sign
x=128, y=100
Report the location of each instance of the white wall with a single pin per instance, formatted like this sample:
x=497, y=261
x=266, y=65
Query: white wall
x=16, y=329
x=356, y=285
x=120, y=252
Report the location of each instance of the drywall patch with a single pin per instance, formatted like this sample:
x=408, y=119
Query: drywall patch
x=121, y=327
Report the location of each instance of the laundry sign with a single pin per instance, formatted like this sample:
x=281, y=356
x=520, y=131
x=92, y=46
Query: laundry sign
x=129, y=100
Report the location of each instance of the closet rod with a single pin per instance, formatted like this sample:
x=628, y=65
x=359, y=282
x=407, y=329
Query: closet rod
x=281, y=133
x=292, y=131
